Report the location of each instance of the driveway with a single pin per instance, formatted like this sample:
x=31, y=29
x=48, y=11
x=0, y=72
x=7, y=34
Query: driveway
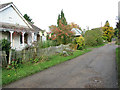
x=96, y=69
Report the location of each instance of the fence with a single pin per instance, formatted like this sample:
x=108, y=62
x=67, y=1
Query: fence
x=26, y=55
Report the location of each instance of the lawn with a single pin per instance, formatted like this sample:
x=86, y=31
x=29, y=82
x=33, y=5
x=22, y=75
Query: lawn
x=27, y=69
x=96, y=46
x=118, y=63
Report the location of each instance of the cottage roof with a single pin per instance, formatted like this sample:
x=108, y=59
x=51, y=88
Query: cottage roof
x=37, y=29
x=4, y=5
x=15, y=26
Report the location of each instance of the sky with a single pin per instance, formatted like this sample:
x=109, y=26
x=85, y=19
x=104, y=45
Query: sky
x=85, y=13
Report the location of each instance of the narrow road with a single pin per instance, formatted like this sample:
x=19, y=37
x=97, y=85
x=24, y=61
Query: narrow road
x=96, y=69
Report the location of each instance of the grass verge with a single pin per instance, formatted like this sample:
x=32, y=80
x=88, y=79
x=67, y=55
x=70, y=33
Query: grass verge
x=27, y=69
x=96, y=46
x=118, y=63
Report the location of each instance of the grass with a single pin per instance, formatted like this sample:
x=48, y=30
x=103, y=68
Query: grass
x=95, y=46
x=27, y=69
x=118, y=63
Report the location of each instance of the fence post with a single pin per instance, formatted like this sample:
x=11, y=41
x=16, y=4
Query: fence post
x=24, y=54
x=35, y=52
x=29, y=53
x=3, y=59
x=10, y=56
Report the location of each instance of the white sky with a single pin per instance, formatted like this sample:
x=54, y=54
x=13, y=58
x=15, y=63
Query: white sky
x=82, y=12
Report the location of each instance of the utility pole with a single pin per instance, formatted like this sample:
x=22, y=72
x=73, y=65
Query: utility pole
x=101, y=24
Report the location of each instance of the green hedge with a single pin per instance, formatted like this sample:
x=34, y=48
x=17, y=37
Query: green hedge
x=93, y=37
x=118, y=63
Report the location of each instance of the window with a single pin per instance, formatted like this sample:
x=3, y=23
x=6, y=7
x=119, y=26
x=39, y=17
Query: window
x=20, y=39
x=35, y=37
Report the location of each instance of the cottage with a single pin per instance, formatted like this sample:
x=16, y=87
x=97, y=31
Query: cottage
x=16, y=29
x=77, y=32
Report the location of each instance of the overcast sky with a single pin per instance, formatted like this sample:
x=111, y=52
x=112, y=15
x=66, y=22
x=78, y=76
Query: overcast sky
x=82, y=12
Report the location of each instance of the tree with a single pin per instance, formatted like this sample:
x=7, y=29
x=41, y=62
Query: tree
x=58, y=20
x=116, y=32
x=62, y=18
x=118, y=27
x=108, y=31
x=73, y=25
x=28, y=18
x=107, y=24
x=61, y=34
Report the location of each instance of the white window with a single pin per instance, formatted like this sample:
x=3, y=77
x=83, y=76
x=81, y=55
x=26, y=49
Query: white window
x=35, y=37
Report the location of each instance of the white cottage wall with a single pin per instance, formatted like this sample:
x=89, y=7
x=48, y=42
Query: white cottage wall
x=0, y=35
x=43, y=38
x=16, y=41
x=29, y=39
x=9, y=15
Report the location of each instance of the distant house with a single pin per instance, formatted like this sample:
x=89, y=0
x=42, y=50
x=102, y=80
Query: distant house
x=16, y=29
x=77, y=32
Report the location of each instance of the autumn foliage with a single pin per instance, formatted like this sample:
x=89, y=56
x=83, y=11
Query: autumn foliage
x=80, y=42
x=61, y=34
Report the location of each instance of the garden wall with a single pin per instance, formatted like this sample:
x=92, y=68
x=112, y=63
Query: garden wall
x=31, y=53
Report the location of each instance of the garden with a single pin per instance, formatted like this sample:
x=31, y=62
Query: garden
x=61, y=46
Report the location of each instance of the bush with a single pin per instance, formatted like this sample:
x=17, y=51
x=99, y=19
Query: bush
x=108, y=31
x=5, y=46
x=80, y=48
x=117, y=41
x=46, y=44
x=104, y=37
x=93, y=37
x=81, y=43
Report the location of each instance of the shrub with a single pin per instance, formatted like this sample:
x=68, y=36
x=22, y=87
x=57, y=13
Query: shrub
x=104, y=37
x=15, y=63
x=80, y=48
x=36, y=60
x=46, y=44
x=5, y=46
x=81, y=43
x=117, y=41
x=44, y=58
x=9, y=66
x=108, y=31
x=93, y=37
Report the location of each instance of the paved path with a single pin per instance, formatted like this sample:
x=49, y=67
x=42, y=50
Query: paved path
x=94, y=69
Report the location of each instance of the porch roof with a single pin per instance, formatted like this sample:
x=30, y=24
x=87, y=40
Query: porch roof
x=14, y=27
